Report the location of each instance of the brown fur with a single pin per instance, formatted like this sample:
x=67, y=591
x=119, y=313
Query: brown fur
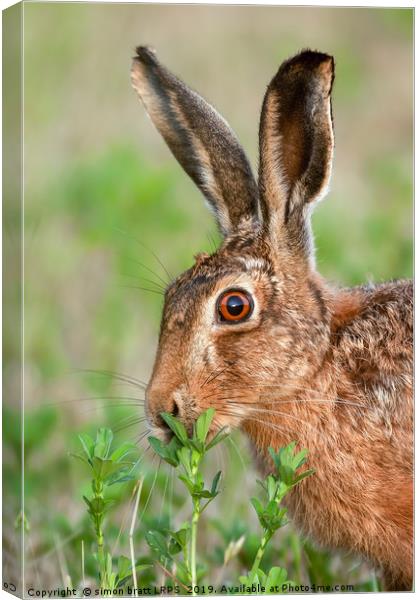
x=329, y=368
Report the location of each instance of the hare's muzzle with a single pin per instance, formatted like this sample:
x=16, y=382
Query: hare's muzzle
x=159, y=400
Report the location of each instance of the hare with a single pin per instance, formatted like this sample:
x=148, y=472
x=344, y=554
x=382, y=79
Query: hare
x=255, y=332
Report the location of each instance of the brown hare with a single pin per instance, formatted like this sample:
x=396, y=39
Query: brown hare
x=255, y=332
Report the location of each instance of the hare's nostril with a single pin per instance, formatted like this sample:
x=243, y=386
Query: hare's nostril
x=160, y=421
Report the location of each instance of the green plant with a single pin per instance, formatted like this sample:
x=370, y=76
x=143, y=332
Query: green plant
x=186, y=454
x=107, y=468
x=272, y=515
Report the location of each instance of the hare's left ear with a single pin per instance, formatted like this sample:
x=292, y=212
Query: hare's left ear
x=296, y=145
x=201, y=141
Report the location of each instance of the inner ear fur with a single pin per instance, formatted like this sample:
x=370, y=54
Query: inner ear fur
x=201, y=141
x=296, y=140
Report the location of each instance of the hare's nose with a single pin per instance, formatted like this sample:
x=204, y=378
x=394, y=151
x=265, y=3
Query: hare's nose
x=160, y=422
x=157, y=402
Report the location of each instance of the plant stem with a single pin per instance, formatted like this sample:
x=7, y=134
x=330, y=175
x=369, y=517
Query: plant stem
x=98, y=491
x=260, y=553
x=101, y=556
x=194, y=527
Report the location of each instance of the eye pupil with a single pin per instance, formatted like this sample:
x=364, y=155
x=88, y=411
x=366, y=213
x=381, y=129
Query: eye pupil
x=235, y=305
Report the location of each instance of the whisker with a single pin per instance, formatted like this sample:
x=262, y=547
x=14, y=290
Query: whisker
x=104, y=403
x=235, y=447
x=119, y=376
x=158, y=286
x=213, y=375
x=128, y=400
x=334, y=399
x=201, y=375
x=151, y=490
x=165, y=283
x=297, y=401
x=163, y=498
x=280, y=413
x=141, y=438
x=131, y=423
x=135, y=401
x=149, y=250
x=274, y=426
x=284, y=385
x=212, y=242
x=144, y=289
x=285, y=415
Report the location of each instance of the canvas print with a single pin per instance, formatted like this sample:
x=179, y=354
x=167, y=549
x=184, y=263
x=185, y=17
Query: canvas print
x=208, y=304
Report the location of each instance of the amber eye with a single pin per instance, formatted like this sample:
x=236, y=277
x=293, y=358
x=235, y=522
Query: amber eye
x=234, y=306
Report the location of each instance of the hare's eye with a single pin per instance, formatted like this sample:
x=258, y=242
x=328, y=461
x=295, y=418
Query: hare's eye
x=234, y=306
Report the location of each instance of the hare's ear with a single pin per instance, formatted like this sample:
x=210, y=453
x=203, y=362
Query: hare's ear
x=201, y=141
x=296, y=144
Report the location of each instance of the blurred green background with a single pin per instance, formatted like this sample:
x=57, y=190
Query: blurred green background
x=106, y=206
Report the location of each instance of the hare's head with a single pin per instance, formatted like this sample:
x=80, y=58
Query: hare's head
x=251, y=315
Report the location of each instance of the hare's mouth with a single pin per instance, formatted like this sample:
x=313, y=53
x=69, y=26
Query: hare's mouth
x=161, y=433
x=165, y=434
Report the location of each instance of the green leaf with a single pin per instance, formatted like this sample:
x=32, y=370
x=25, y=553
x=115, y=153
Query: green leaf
x=157, y=543
x=168, y=454
x=300, y=458
x=263, y=484
x=276, y=577
x=271, y=508
x=104, y=468
x=196, y=446
x=88, y=445
x=203, y=424
x=109, y=563
x=86, y=500
x=303, y=475
x=188, y=483
x=103, y=442
x=124, y=568
x=184, y=456
x=215, y=482
x=181, y=536
x=173, y=448
x=203, y=494
x=158, y=446
x=257, y=506
x=221, y=435
x=271, y=487
x=81, y=457
x=287, y=474
x=174, y=547
x=140, y=568
x=123, y=451
x=112, y=480
x=176, y=426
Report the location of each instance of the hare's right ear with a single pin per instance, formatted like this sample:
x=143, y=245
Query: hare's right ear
x=200, y=140
x=296, y=146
